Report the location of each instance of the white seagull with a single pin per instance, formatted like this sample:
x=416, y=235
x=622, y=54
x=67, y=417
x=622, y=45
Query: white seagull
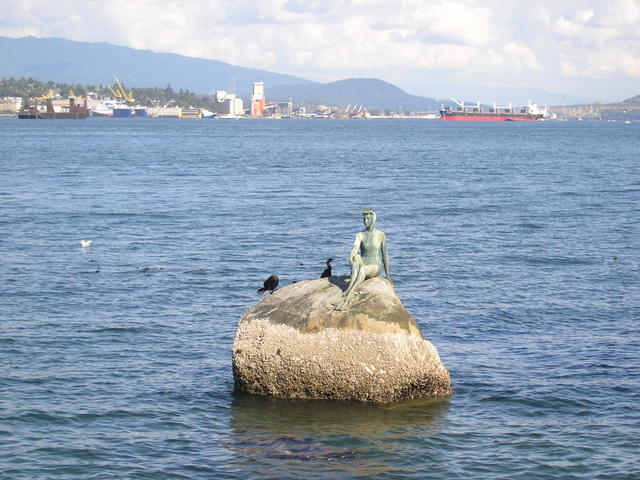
x=85, y=243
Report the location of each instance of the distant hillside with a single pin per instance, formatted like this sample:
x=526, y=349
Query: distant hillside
x=370, y=92
x=635, y=99
x=31, y=88
x=66, y=61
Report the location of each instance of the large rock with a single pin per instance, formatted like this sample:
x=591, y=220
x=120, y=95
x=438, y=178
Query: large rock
x=293, y=344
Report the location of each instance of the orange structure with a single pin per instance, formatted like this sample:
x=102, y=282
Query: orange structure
x=258, y=100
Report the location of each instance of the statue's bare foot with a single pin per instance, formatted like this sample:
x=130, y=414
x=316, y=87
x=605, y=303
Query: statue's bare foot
x=342, y=305
x=340, y=308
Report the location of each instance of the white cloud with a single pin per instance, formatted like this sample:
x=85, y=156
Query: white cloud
x=585, y=15
x=621, y=14
x=565, y=28
x=521, y=57
x=474, y=41
x=568, y=68
x=443, y=21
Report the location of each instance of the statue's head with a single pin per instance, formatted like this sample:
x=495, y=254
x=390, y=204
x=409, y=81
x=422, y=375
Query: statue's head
x=369, y=217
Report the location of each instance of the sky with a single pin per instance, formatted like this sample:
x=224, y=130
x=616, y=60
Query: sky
x=483, y=50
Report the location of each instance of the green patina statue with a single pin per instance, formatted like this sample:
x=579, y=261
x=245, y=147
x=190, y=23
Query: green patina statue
x=369, y=250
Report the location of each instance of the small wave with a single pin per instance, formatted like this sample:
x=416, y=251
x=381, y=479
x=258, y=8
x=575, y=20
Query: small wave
x=558, y=261
x=175, y=425
x=293, y=448
x=119, y=330
x=119, y=214
x=75, y=453
x=541, y=261
x=197, y=271
x=543, y=402
x=149, y=269
x=34, y=380
x=620, y=190
x=569, y=194
x=37, y=417
x=113, y=414
x=531, y=226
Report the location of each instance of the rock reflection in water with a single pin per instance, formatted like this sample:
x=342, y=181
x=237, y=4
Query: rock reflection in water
x=277, y=438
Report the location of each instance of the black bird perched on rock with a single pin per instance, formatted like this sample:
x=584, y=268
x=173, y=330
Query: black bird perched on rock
x=327, y=271
x=270, y=283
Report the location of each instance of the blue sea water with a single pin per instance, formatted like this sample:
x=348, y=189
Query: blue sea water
x=515, y=246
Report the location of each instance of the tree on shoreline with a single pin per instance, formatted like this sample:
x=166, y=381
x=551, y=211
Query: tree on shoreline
x=28, y=88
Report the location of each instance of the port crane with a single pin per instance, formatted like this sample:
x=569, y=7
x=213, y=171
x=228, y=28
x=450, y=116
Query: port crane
x=48, y=96
x=121, y=93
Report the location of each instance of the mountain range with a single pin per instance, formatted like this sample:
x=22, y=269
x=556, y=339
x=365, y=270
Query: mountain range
x=370, y=92
x=85, y=63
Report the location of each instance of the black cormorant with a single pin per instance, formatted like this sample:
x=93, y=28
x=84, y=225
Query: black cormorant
x=327, y=271
x=270, y=283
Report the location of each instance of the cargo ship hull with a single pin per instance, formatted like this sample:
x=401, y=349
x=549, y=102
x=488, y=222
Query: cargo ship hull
x=74, y=111
x=452, y=116
x=476, y=113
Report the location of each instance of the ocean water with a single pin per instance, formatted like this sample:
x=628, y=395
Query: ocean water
x=515, y=246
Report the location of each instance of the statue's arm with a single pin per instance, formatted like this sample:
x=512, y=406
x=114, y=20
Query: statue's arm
x=385, y=258
x=356, y=248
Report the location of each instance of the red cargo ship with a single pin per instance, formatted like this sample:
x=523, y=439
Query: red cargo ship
x=469, y=113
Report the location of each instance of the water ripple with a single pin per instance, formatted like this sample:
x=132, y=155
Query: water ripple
x=514, y=246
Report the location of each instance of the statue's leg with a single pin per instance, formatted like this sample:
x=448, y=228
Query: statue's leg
x=357, y=265
x=364, y=272
x=356, y=281
x=360, y=272
x=357, y=270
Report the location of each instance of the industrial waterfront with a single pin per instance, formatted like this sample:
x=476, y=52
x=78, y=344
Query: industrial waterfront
x=119, y=102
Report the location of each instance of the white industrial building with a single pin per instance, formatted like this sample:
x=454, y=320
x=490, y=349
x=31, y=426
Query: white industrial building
x=235, y=105
x=10, y=104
